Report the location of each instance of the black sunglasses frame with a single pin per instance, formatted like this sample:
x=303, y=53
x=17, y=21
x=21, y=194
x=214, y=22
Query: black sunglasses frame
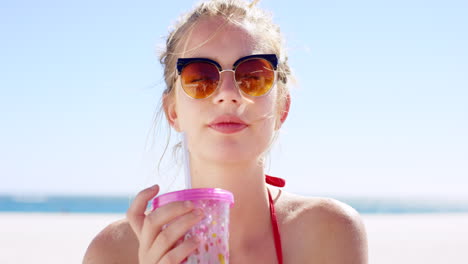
x=271, y=58
x=183, y=62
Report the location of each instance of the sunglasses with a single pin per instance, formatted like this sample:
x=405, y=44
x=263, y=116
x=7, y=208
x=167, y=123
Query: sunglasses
x=254, y=75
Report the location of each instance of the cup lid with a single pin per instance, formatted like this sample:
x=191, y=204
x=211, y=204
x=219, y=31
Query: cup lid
x=193, y=194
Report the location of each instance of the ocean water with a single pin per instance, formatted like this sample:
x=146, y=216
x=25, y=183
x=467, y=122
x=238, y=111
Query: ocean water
x=64, y=204
x=119, y=204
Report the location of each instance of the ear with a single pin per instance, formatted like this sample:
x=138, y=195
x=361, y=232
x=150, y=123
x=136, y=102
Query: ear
x=170, y=111
x=285, y=111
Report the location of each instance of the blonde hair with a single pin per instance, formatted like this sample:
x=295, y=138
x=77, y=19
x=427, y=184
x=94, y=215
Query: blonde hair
x=247, y=15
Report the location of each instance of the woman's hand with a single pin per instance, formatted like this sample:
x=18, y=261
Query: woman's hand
x=155, y=244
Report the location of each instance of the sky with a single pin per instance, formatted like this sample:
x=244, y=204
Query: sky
x=379, y=109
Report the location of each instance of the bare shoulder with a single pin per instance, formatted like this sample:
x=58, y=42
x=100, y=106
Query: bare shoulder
x=321, y=229
x=115, y=244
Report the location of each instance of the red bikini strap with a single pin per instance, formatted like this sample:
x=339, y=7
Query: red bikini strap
x=276, y=234
x=275, y=181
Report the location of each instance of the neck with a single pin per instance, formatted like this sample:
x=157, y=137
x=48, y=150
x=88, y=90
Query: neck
x=249, y=216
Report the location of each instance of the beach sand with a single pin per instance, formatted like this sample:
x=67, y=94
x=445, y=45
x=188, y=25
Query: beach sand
x=48, y=238
x=423, y=238
x=63, y=238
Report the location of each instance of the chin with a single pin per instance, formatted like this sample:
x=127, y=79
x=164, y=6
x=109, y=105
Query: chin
x=230, y=150
x=230, y=155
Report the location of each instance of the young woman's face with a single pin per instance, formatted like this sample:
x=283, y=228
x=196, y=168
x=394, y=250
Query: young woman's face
x=228, y=126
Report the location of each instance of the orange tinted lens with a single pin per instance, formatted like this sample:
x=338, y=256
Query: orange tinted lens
x=199, y=79
x=255, y=76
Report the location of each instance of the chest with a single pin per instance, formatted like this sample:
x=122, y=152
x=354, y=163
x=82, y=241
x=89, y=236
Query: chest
x=254, y=256
x=260, y=250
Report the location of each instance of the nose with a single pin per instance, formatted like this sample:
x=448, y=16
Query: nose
x=227, y=90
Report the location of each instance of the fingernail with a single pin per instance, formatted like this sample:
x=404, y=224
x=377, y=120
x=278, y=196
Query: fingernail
x=188, y=204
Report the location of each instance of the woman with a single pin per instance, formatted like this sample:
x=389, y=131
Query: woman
x=230, y=115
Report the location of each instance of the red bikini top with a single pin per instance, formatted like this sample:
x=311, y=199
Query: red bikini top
x=278, y=182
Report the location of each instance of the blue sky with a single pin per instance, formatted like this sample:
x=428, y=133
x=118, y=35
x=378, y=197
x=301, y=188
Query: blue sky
x=380, y=107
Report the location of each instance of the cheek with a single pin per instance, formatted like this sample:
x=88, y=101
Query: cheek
x=269, y=106
x=185, y=110
x=187, y=117
x=266, y=114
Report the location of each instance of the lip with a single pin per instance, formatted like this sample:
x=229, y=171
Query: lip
x=228, y=124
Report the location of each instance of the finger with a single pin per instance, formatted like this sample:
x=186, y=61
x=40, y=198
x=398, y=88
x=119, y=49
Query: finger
x=154, y=222
x=136, y=211
x=176, y=230
x=181, y=252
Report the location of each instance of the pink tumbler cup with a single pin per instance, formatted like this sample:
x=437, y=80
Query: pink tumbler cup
x=213, y=230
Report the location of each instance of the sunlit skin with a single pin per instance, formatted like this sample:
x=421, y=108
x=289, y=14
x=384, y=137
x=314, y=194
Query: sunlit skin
x=313, y=230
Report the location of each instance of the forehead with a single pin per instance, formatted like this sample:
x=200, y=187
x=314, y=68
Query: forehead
x=218, y=39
